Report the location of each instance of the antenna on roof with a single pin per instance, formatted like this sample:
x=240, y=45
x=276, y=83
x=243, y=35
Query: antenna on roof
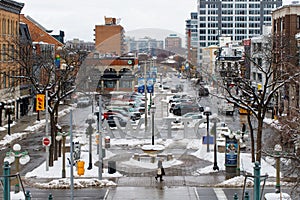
x=118, y=21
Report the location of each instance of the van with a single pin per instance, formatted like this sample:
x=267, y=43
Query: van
x=225, y=107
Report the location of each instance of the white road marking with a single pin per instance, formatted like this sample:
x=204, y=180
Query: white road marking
x=220, y=194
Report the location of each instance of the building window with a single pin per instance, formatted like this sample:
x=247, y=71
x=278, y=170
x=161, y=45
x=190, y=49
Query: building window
x=259, y=77
x=4, y=52
x=109, y=84
x=298, y=22
x=125, y=84
x=254, y=76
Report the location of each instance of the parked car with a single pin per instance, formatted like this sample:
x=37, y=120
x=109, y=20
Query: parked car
x=183, y=108
x=176, y=97
x=203, y=91
x=83, y=101
x=111, y=120
x=190, y=115
x=119, y=112
x=225, y=107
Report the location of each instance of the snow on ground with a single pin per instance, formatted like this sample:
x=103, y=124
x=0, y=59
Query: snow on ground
x=90, y=176
x=245, y=162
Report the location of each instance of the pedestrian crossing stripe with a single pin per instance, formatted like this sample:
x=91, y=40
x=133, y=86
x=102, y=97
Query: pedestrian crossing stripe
x=220, y=194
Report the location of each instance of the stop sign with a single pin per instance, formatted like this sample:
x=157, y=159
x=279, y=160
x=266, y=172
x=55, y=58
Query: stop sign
x=46, y=141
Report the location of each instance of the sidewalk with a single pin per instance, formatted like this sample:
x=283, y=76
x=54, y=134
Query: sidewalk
x=24, y=121
x=173, y=187
x=151, y=193
x=21, y=124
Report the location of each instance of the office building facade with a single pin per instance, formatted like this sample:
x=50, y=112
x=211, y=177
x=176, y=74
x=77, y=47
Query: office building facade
x=191, y=31
x=239, y=19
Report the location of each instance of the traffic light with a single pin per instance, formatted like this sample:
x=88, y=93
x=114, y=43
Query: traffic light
x=57, y=61
x=40, y=102
x=80, y=167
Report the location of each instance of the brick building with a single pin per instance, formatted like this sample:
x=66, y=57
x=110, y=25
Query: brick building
x=10, y=87
x=286, y=25
x=38, y=33
x=109, y=38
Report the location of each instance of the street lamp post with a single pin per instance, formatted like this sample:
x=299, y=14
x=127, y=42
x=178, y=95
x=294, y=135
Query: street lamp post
x=215, y=167
x=89, y=132
x=18, y=156
x=153, y=112
x=62, y=136
x=238, y=137
x=9, y=109
x=278, y=150
x=207, y=112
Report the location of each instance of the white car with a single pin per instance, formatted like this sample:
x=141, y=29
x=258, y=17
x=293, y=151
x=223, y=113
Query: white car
x=83, y=101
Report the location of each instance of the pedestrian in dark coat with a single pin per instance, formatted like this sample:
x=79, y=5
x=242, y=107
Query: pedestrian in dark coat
x=160, y=172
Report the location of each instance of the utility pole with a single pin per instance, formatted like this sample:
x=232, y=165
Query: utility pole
x=100, y=140
x=146, y=99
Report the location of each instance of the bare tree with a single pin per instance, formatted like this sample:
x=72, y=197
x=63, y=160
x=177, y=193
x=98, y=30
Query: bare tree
x=37, y=67
x=272, y=58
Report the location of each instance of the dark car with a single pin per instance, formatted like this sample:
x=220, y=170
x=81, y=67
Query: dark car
x=203, y=91
x=111, y=120
x=181, y=109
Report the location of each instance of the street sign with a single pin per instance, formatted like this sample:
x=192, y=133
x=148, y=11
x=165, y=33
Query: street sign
x=46, y=141
x=141, y=85
x=204, y=140
x=150, y=85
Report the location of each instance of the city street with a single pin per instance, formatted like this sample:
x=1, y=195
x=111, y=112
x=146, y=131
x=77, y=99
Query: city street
x=181, y=178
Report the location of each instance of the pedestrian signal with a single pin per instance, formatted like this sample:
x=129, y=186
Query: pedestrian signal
x=40, y=102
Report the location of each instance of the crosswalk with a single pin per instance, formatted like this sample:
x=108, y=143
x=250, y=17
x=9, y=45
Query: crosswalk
x=211, y=194
x=220, y=194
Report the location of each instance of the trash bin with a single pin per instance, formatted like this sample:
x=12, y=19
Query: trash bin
x=107, y=142
x=111, y=167
x=103, y=153
x=17, y=188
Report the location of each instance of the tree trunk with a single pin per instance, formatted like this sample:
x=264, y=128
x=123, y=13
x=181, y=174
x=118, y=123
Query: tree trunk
x=51, y=149
x=55, y=133
x=252, y=137
x=259, y=139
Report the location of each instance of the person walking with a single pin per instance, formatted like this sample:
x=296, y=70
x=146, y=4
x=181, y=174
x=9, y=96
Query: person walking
x=160, y=172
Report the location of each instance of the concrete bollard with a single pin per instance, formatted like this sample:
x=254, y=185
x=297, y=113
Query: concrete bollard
x=169, y=157
x=247, y=197
x=17, y=188
x=235, y=197
x=136, y=156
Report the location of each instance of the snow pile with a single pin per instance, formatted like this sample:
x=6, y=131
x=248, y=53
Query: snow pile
x=149, y=165
x=10, y=138
x=78, y=183
x=237, y=181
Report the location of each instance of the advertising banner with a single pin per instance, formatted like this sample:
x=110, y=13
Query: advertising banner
x=231, y=152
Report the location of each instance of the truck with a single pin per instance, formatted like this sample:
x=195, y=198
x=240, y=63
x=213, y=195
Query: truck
x=225, y=107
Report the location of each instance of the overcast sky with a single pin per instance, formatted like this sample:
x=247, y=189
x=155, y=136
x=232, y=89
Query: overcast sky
x=78, y=18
